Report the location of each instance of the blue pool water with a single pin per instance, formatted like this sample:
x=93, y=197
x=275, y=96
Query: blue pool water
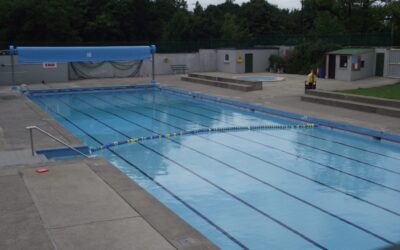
x=313, y=188
x=260, y=78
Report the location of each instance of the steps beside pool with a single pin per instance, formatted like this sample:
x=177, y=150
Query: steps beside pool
x=381, y=106
x=223, y=82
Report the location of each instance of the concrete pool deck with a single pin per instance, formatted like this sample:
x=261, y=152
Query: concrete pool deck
x=90, y=204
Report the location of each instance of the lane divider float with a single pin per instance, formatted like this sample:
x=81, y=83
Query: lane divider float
x=198, y=131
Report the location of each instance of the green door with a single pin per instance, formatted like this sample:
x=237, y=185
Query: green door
x=380, y=59
x=248, y=63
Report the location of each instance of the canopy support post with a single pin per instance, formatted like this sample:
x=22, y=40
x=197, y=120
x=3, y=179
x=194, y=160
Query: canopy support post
x=153, y=63
x=12, y=51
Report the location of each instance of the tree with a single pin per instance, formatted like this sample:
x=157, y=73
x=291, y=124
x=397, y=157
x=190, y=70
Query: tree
x=36, y=21
x=259, y=17
x=178, y=28
x=230, y=30
x=102, y=21
x=308, y=55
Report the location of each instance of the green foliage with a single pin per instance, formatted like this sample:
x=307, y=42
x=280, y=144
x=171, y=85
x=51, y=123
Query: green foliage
x=306, y=56
x=275, y=61
x=260, y=17
x=230, y=30
x=178, y=28
x=102, y=21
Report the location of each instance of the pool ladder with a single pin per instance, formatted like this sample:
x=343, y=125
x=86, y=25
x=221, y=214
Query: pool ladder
x=31, y=128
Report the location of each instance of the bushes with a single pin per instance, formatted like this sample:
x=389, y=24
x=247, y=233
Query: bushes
x=276, y=62
x=306, y=56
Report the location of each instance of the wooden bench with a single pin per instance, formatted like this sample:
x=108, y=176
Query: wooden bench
x=179, y=68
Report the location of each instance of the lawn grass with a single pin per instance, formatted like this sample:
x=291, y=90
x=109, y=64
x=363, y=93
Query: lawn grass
x=388, y=91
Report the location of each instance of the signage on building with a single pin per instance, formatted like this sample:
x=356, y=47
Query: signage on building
x=49, y=65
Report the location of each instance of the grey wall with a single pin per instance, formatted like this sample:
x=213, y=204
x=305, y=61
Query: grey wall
x=386, y=63
x=204, y=60
x=392, y=62
x=208, y=60
x=347, y=74
x=368, y=70
x=30, y=73
x=260, y=60
x=226, y=66
x=285, y=50
x=343, y=74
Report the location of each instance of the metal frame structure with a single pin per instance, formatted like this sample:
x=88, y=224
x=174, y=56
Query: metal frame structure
x=29, y=55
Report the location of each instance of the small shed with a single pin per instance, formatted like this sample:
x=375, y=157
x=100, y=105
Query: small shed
x=350, y=64
x=239, y=61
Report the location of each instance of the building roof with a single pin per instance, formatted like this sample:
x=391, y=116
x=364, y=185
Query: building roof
x=350, y=51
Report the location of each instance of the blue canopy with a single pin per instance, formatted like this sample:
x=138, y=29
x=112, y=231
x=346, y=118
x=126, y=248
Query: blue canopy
x=82, y=54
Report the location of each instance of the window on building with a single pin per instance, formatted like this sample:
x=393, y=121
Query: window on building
x=226, y=57
x=343, y=61
x=357, y=63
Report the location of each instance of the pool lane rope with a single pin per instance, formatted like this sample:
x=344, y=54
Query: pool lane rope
x=200, y=131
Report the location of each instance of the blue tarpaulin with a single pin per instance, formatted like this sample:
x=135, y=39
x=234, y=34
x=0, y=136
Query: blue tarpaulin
x=83, y=54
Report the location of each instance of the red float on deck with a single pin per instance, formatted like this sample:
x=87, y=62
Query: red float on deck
x=42, y=170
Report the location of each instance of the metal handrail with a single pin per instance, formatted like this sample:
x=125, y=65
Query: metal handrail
x=31, y=128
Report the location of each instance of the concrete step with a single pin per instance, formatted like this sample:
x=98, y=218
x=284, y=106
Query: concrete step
x=258, y=84
x=228, y=85
x=370, y=108
x=355, y=98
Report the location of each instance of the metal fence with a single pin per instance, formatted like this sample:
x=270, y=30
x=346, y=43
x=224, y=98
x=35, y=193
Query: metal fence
x=273, y=39
x=355, y=40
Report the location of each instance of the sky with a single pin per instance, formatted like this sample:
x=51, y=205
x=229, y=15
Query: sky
x=287, y=4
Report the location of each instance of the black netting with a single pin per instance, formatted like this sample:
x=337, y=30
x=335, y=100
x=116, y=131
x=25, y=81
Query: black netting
x=106, y=69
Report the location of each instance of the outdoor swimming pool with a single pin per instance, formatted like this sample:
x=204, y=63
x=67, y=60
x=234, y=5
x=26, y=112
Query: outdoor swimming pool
x=262, y=78
x=303, y=188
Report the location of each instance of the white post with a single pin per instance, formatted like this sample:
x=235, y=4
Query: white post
x=153, y=63
x=12, y=51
